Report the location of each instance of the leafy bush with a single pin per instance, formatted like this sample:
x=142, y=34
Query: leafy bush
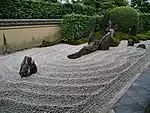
x=75, y=26
x=142, y=37
x=125, y=18
x=84, y=10
x=144, y=22
x=27, y=9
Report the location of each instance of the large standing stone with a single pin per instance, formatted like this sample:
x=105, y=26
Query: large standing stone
x=104, y=43
x=28, y=67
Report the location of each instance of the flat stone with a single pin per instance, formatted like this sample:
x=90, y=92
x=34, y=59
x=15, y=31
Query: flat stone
x=123, y=109
x=136, y=107
x=139, y=112
x=125, y=101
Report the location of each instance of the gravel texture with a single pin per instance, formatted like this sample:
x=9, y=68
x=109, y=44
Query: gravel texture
x=62, y=85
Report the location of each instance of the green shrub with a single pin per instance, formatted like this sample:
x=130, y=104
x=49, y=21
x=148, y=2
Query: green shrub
x=75, y=26
x=144, y=22
x=84, y=10
x=125, y=18
x=142, y=37
x=27, y=9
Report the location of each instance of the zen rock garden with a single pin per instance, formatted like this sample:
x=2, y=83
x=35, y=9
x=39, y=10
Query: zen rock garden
x=79, y=82
x=103, y=50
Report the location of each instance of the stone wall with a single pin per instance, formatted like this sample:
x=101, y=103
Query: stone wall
x=21, y=35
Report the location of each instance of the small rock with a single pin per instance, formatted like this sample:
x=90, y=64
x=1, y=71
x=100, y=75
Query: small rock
x=6, y=93
x=111, y=111
x=143, y=46
x=130, y=42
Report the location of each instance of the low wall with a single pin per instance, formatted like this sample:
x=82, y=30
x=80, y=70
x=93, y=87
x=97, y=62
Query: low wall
x=21, y=34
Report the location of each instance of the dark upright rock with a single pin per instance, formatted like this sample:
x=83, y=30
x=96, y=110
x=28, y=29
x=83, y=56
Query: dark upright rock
x=104, y=43
x=92, y=37
x=143, y=46
x=25, y=68
x=33, y=67
x=28, y=67
x=130, y=42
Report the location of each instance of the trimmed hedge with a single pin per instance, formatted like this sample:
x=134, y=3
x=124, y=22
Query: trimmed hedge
x=144, y=22
x=75, y=26
x=26, y=9
x=125, y=18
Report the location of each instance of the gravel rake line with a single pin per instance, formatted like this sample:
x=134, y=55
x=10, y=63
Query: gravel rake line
x=94, y=102
x=105, y=94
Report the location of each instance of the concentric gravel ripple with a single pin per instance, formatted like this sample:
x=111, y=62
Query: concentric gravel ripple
x=62, y=85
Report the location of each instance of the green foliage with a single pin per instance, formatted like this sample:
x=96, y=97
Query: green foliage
x=144, y=22
x=148, y=33
x=53, y=1
x=125, y=18
x=102, y=5
x=120, y=2
x=135, y=39
x=79, y=41
x=98, y=35
x=142, y=37
x=104, y=22
x=26, y=9
x=136, y=3
x=84, y=10
x=115, y=42
x=124, y=36
x=75, y=26
x=141, y=5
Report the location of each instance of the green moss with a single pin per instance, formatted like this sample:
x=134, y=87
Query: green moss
x=47, y=42
x=81, y=41
x=115, y=42
x=98, y=35
x=122, y=36
x=142, y=37
x=135, y=39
